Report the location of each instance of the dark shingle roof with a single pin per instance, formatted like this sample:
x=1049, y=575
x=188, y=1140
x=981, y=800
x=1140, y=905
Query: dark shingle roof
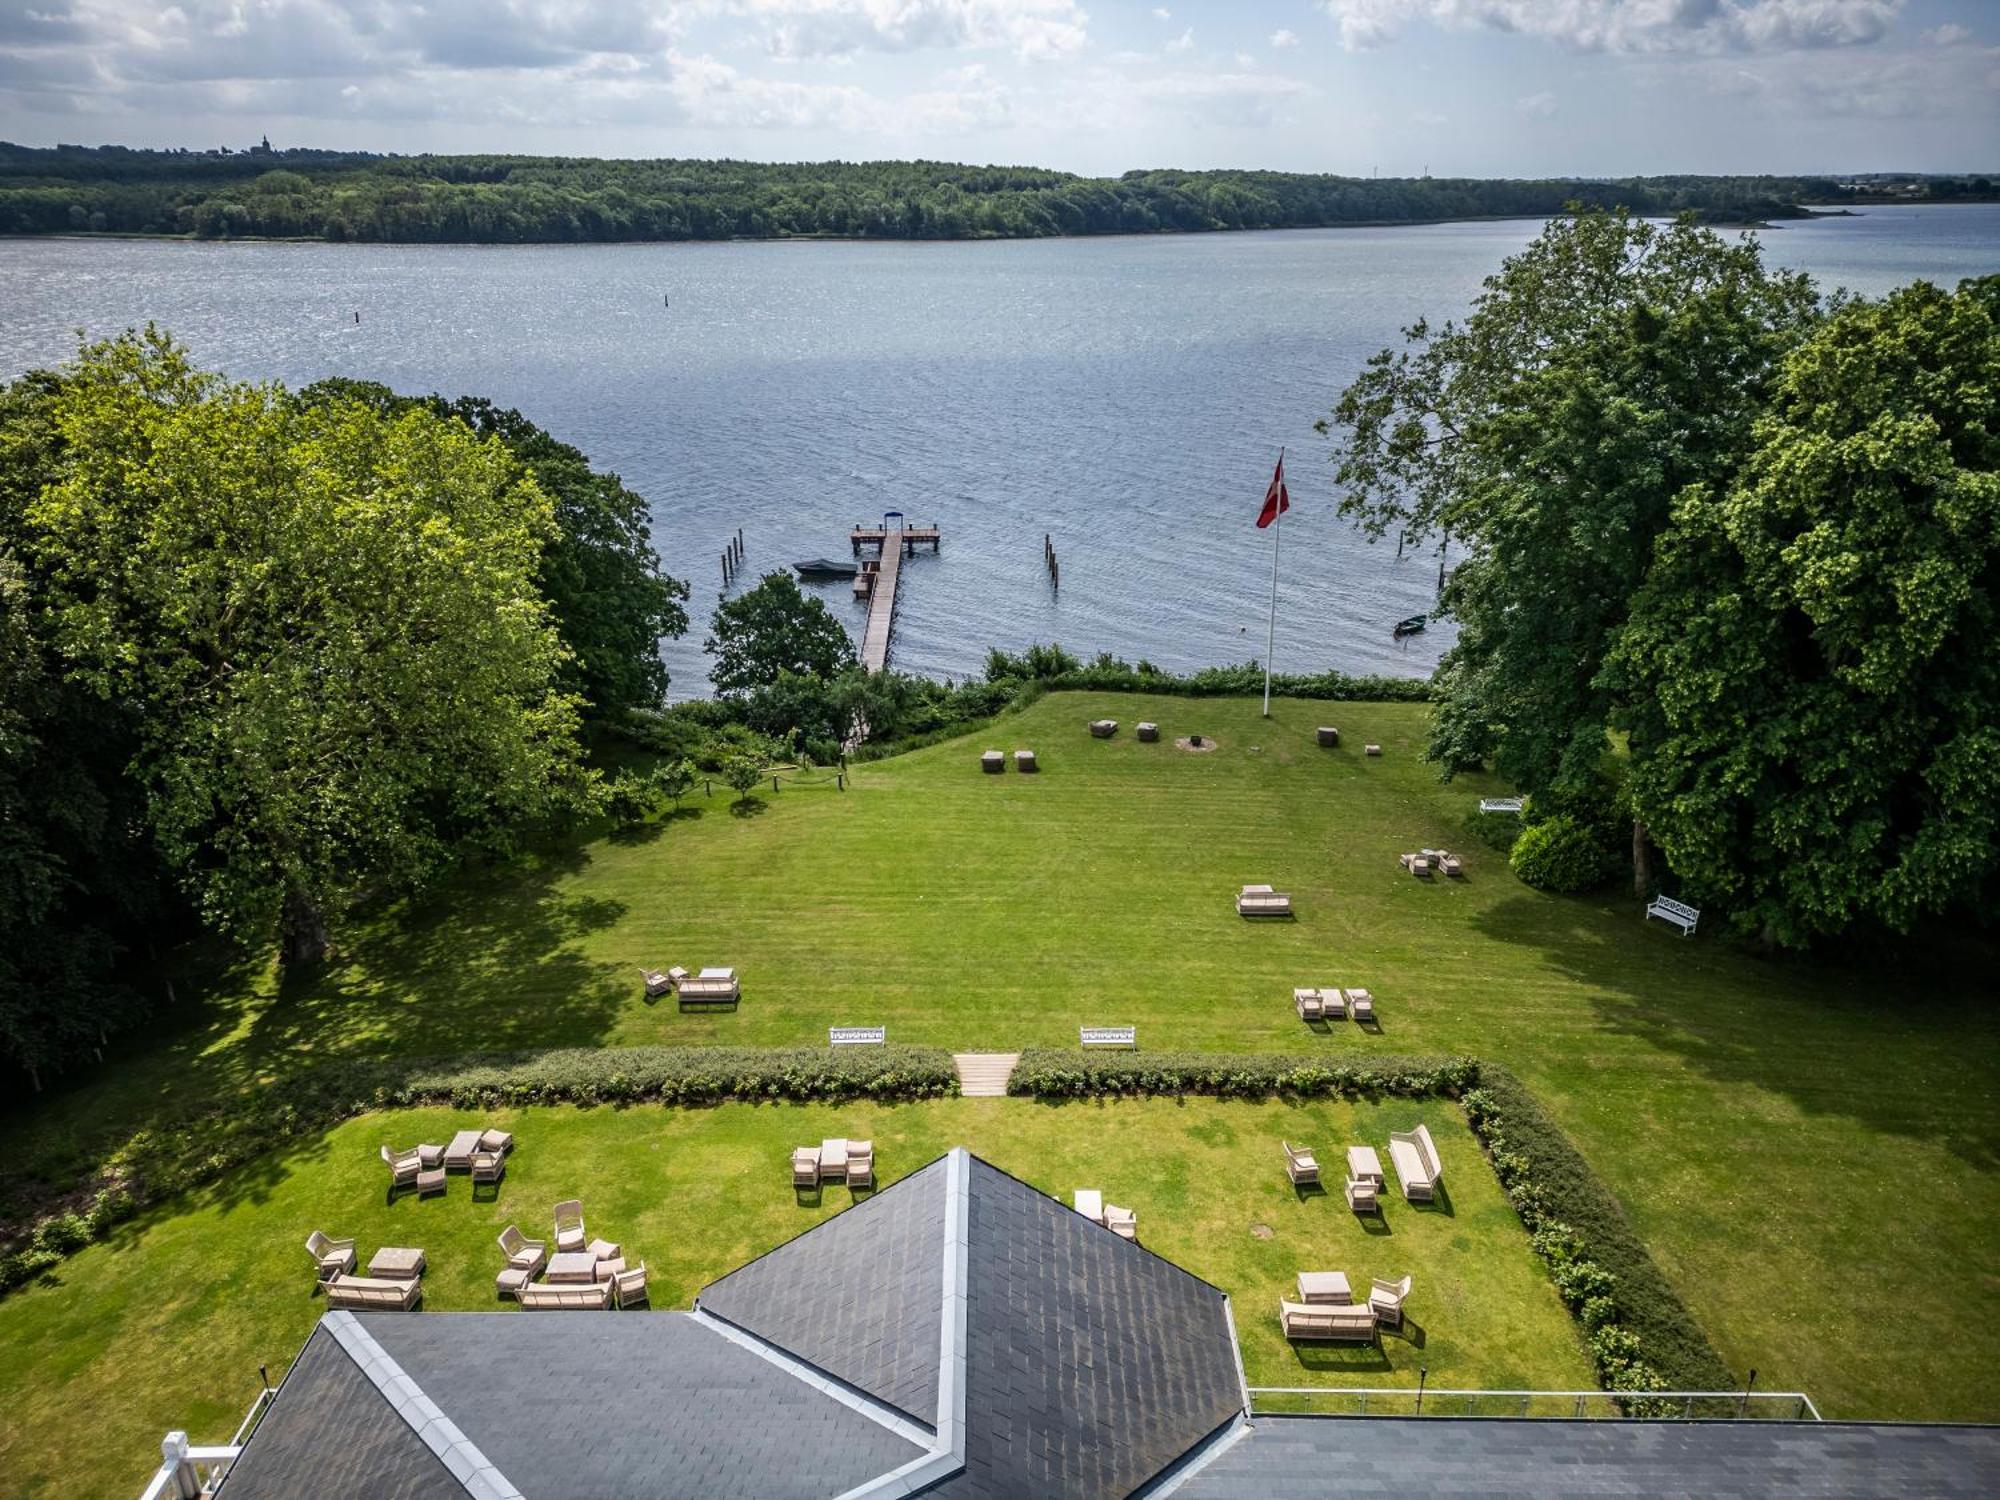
x=639, y=1405
x=1444, y=1458
x=331, y=1433
x=1092, y=1364
x=857, y=1295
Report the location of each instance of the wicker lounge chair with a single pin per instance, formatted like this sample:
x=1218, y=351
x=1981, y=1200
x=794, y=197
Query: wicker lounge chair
x=374, y=1293
x=1262, y=901
x=523, y=1254
x=1452, y=866
x=1122, y=1222
x=1362, y=1004
x=1416, y=1160
x=658, y=982
x=1309, y=1005
x=569, y=1225
x=860, y=1164
x=488, y=1166
x=458, y=1155
x=333, y=1257
x=1361, y=1196
x=1326, y=1320
x=592, y=1296
x=993, y=763
x=628, y=1286
x=1417, y=865
x=403, y=1166
x=1300, y=1164
x=805, y=1166
x=1386, y=1301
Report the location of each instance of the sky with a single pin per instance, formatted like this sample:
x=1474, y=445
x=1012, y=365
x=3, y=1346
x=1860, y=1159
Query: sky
x=1488, y=88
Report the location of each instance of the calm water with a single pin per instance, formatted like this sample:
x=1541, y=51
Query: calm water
x=1125, y=396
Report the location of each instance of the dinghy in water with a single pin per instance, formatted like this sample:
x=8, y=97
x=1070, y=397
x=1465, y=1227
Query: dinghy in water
x=1411, y=626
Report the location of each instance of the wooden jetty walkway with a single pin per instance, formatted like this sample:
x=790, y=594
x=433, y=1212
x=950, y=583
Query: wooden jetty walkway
x=881, y=578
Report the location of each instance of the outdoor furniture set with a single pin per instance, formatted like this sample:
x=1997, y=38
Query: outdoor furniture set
x=833, y=1160
x=994, y=762
x=1326, y=1308
x=394, y=1279
x=1423, y=863
x=1413, y=1152
x=709, y=987
x=1328, y=1004
x=1122, y=1222
x=482, y=1153
x=591, y=1276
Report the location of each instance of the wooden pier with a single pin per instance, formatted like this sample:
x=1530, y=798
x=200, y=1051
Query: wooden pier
x=880, y=577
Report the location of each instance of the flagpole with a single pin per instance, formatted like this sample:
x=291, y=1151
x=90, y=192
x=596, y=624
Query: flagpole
x=1271, y=628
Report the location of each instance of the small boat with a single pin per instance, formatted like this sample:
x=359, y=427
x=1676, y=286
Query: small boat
x=825, y=567
x=1411, y=626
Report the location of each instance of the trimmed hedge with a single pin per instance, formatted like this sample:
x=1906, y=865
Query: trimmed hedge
x=1640, y=1333
x=157, y=1164
x=1246, y=679
x=1052, y=1073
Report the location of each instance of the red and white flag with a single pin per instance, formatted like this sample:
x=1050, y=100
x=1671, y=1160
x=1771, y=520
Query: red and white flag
x=1276, y=499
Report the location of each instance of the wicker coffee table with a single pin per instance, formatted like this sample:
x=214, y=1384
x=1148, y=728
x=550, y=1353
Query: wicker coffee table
x=397, y=1263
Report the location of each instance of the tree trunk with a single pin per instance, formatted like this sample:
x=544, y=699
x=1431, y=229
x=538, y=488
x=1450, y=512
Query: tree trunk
x=302, y=936
x=1642, y=861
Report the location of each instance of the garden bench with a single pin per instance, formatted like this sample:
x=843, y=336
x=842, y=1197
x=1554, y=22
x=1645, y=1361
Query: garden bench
x=1679, y=913
x=1262, y=901
x=1416, y=1160
x=1108, y=1036
x=1500, y=805
x=1326, y=1320
x=592, y=1295
x=374, y=1293
x=856, y=1036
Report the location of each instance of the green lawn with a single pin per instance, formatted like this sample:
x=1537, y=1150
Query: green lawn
x=1798, y=1144
x=166, y=1325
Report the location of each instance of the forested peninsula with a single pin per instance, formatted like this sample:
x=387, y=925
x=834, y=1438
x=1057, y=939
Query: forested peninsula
x=342, y=196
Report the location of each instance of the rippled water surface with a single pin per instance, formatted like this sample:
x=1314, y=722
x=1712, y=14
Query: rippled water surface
x=1124, y=396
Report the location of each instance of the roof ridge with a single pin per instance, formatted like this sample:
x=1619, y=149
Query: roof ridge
x=457, y=1452
x=878, y=1411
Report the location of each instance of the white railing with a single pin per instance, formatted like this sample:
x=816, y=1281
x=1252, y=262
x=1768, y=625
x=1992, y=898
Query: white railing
x=1419, y=1400
x=187, y=1470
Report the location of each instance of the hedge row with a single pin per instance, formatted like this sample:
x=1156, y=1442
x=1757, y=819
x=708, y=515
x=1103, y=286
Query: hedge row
x=1050, y=1073
x=1246, y=679
x=157, y=1164
x=1640, y=1333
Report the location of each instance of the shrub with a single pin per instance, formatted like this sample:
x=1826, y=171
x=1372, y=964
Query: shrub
x=1640, y=1334
x=1049, y=1073
x=1563, y=856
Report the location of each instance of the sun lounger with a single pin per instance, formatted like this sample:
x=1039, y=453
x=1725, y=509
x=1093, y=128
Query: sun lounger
x=805, y=1166
x=1309, y=1005
x=1416, y=1160
x=375, y=1292
x=1024, y=761
x=1300, y=1164
x=710, y=987
x=1262, y=901
x=628, y=1287
x=331, y=1256
x=1326, y=1320
x=569, y=1226
x=1103, y=729
x=1362, y=1005
x=992, y=762
x=1386, y=1301
x=860, y=1164
x=593, y=1296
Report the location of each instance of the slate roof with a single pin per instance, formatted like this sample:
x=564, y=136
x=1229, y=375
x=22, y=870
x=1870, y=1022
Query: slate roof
x=858, y=1295
x=1445, y=1458
x=330, y=1433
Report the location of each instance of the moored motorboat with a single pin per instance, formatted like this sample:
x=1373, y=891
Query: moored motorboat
x=825, y=567
x=1412, y=625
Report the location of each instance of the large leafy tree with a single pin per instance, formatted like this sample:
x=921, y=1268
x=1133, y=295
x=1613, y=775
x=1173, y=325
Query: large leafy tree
x=1606, y=367
x=772, y=629
x=325, y=620
x=599, y=572
x=1811, y=664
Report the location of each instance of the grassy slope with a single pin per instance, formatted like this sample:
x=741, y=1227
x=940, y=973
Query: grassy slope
x=1796, y=1144
x=165, y=1326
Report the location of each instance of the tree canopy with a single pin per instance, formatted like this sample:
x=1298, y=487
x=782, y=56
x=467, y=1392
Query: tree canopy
x=1811, y=663
x=774, y=629
x=323, y=620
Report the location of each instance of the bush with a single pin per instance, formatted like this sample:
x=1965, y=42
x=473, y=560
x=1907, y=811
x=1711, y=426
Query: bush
x=1563, y=856
x=1049, y=1073
x=153, y=1166
x=1639, y=1332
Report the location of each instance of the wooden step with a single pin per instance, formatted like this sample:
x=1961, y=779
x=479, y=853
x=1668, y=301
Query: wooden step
x=984, y=1075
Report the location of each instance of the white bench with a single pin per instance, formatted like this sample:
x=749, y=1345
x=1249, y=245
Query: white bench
x=1500, y=805
x=1679, y=913
x=1108, y=1036
x=856, y=1036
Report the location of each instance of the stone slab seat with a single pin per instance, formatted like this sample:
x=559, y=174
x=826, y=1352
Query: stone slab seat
x=1024, y=760
x=375, y=1293
x=1103, y=729
x=1415, y=1158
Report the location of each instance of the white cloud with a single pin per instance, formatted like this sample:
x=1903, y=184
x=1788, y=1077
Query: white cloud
x=1161, y=13
x=1182, y=43
x=1948, y=35
x=1036, y=30
x=1281, y=38
x=1634, y=26
x=1541, y=105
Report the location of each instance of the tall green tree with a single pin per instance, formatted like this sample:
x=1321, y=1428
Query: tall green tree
x=1811, y=664
x=327, y=623
x=610, y=600
x=775, y=628
x=1601, y=371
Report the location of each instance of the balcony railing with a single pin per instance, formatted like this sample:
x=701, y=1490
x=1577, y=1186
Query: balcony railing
x=1434, y=1401
x=188, y=1472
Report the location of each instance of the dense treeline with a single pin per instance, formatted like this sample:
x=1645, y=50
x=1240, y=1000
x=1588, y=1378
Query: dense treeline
x=517, y=199
x=1731, y=590
x=265, y=655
